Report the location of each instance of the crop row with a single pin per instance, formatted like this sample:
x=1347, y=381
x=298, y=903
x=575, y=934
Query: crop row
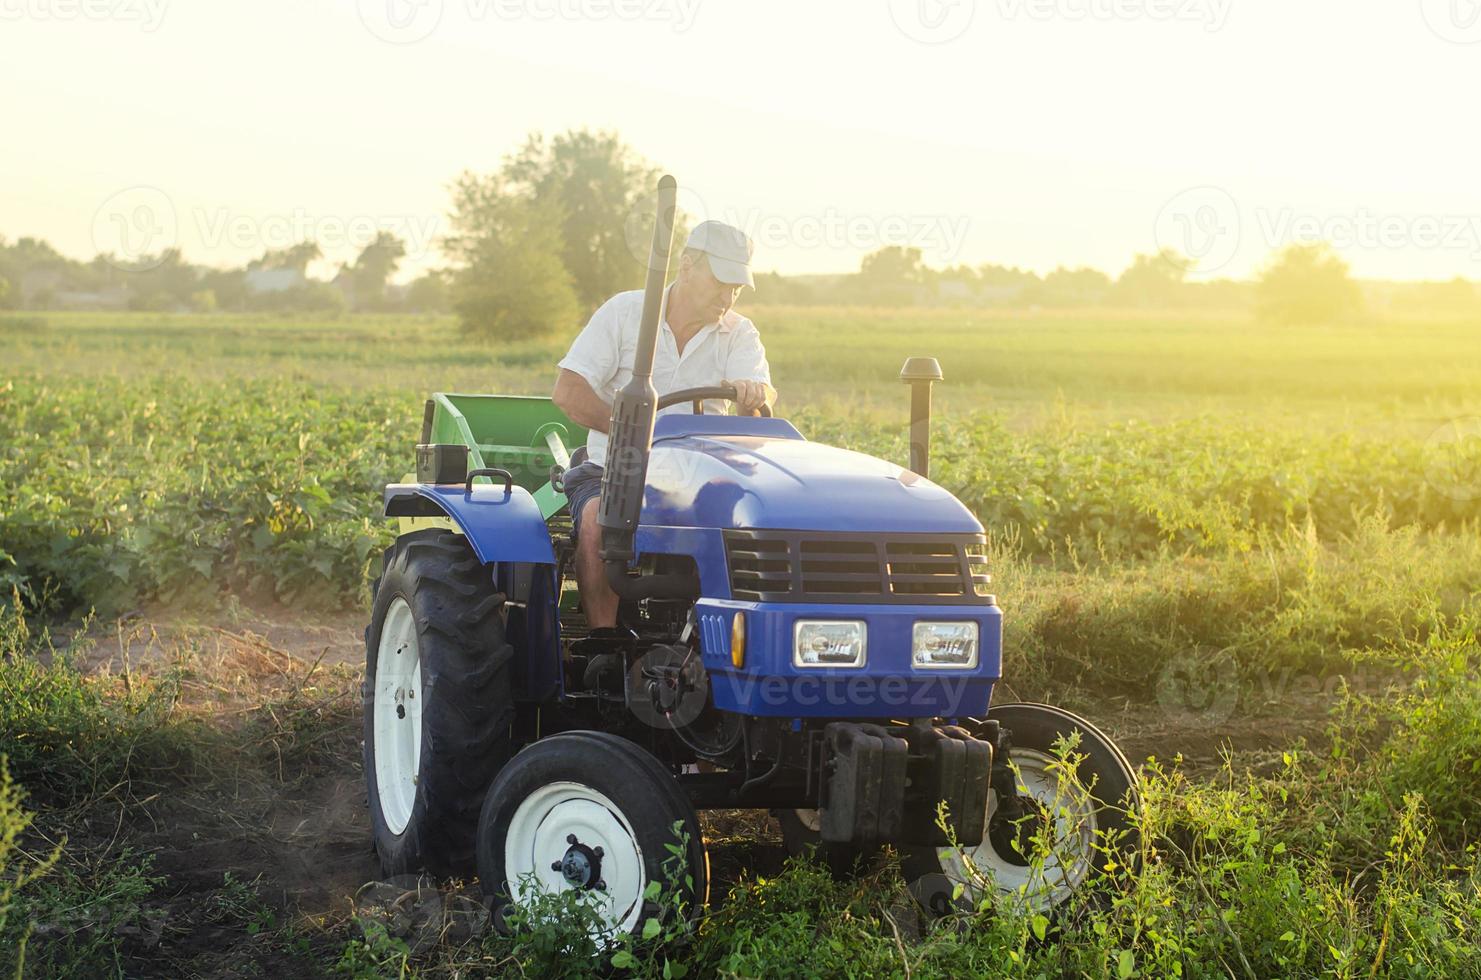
x=118, y=491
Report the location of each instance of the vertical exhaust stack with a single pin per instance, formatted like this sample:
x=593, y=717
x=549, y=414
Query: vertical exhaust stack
x=630, y=431
x=920, y=373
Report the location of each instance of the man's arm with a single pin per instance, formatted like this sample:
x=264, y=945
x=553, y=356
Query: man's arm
x=574, y=396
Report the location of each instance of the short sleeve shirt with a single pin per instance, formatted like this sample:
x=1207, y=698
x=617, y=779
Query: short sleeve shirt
x=603, y=354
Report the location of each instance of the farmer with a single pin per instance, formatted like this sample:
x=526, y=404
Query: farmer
x=702, y=342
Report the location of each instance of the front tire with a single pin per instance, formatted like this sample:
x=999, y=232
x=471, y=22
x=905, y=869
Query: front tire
x=438, y=708
x=594, y=812
x=1091, y=809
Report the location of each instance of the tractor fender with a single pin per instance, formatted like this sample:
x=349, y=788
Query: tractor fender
x=501, y=523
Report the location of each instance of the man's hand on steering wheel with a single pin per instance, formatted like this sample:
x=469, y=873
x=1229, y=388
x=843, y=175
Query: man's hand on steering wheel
x=750, y=396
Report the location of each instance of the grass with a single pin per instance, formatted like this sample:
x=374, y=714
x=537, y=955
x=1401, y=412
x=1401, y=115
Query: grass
x=1193, y=517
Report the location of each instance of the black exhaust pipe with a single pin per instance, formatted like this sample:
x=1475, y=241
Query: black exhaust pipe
x=630, y=430
x=920, y=373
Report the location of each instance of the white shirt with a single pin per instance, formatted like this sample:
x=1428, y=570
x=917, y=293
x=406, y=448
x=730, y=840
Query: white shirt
x=603, y=354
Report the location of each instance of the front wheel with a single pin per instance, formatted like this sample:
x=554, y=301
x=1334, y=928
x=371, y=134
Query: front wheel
x=1046, y=844
x=591, y=812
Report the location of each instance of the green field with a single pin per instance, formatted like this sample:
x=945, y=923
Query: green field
x=1201, y=526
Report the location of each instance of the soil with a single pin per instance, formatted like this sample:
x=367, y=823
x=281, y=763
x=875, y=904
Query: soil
x=303, y=840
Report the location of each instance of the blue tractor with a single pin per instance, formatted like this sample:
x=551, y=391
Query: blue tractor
x=806, y=629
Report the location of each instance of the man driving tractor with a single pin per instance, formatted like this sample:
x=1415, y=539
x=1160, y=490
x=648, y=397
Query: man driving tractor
x=701, y=340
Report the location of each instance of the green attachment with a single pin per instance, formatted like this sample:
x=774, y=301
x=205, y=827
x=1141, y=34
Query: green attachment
x=524, y=434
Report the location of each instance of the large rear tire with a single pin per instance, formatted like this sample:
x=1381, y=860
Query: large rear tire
x=437, y=702
x=1089, y=810
x=594, y=812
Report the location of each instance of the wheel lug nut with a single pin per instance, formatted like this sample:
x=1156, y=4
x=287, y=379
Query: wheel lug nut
x=597, y=851
x=557, y=866
x=600, y=886
x=571, y=839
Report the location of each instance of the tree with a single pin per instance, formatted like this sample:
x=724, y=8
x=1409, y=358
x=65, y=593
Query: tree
x=295, y=257
x=429, y=293
x=1306, y=284
x=1070, y=287
x=892, y=275
x=598, y=192
x=511, y=282
x=374, y=267
x=1154, y=280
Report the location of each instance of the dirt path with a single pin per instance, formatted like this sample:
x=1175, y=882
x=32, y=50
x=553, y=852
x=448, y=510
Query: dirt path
x=299, y=829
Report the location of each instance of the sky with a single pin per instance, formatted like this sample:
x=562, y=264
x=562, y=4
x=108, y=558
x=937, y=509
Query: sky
x=1034, y=133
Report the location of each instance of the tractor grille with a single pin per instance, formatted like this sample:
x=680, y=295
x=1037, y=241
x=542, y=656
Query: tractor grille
x=797, y=566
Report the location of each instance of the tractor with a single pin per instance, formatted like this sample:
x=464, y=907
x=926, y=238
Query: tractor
x=803, y=629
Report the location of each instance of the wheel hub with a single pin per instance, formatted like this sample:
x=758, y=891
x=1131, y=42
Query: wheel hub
x=1013, y=833
x=581, y=866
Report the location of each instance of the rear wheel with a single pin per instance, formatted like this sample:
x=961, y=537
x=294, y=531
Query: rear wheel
x=437, y=702
x=1047, y=843
x=592, y=812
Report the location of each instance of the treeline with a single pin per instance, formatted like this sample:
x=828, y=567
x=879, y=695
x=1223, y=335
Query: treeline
x=35, y=276
x=564, y=223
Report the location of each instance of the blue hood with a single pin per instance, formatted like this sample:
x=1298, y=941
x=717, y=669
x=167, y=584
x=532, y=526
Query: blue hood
x=759, y=473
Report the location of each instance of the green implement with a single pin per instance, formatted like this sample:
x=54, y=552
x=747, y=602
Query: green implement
x=524, y=434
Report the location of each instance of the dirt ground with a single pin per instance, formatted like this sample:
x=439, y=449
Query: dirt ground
x=301, y=834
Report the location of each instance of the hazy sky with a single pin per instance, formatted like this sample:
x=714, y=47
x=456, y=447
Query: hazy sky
x=1029, y=132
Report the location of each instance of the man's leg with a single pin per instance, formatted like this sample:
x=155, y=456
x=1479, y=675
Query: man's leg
x=597, y=597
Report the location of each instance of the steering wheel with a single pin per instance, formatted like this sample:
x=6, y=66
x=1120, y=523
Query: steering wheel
x=726, y=392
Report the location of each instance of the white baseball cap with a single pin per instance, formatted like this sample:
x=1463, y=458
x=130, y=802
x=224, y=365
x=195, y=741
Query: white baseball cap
x=728, y=249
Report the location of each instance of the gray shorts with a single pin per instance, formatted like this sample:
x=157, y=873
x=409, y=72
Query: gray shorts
x=583, y=483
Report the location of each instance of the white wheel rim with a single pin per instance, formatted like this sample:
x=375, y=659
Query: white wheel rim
x=539, y=838
x=1071, y=854
x=397, y=713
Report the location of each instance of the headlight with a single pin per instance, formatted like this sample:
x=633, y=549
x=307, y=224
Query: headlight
x=944, y=645
x=829, y=643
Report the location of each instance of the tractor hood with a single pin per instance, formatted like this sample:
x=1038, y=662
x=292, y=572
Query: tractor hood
x=721, y=472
